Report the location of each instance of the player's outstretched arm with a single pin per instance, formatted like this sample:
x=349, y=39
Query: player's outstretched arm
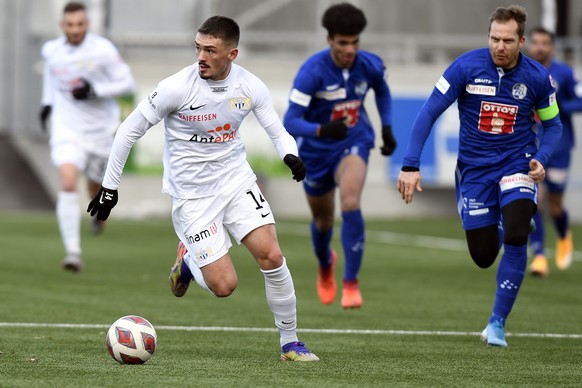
x=134, y=127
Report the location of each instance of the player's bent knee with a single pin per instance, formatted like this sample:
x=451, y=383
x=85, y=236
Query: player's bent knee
x=484, y=260
x=223, y=289
x=350, y=201
x=322, y=223
x=270, y=260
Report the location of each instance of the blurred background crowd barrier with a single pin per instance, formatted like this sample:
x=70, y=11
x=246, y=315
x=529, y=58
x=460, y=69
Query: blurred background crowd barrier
x=416, y=38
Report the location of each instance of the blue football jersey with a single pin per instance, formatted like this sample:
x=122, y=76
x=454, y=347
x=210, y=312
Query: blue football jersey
x=496, y=109
x=323, y=92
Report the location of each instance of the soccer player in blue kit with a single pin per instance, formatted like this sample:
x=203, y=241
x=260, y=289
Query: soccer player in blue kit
x=499, y=164
x=327, y=117
x=568, y=93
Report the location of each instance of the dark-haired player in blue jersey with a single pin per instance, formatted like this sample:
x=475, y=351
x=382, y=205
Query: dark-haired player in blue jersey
x=498, y=91
x=568, y=93
x=327, y=117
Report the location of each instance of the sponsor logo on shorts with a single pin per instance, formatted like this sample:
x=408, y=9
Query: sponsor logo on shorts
x=478, y=212
x=203, y=234
x=497, y=118
x=204, y=254
x=516, y=180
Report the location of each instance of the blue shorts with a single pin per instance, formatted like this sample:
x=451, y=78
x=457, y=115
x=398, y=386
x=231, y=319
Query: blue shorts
x=483, y=191
x=320, y=178
x=558, y=170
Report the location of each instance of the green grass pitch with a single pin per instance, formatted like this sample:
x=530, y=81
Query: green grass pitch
x=417, y=278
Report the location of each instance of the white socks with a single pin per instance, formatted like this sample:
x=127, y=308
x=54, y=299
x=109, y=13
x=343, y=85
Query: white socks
x=282, y=302
x=69, y=218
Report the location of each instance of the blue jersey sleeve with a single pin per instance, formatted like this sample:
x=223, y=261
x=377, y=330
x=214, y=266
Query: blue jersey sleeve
x=304, y=88
x=383, y=97
x=548, y=113
x=447, y=89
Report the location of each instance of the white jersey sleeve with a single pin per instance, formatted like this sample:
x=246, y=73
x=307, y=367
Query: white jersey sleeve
x=270, y=121
x=119, y=80
x=165, y=99
x=133, y=128
x=48, y=84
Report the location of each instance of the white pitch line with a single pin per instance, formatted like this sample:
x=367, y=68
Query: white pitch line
x=382, y=237
x=272, y=330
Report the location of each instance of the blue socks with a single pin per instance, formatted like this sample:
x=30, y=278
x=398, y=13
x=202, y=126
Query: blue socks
x=536, y=238
x=510, y=274
x=353, y=237
x=562, y=224
x=321, y=245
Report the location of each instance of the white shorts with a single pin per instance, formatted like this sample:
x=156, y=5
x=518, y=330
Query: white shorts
x=203, y=224
x=90, y=163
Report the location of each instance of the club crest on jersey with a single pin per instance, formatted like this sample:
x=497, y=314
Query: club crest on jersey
x=361, y=87
x=240, y=103
x=519, y=91
x=497, y=118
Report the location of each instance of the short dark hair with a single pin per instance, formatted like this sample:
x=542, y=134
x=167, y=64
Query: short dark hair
x=343, y=19
x=542, y=30
x=74, y=6
x=221, y=27
x=513, y=12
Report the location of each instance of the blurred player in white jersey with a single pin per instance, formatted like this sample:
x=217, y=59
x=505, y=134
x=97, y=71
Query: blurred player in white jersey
x=83, y=73
x=213, y=188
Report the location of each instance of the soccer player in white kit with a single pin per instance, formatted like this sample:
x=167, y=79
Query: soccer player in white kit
x=206, y=173
x=83, y=73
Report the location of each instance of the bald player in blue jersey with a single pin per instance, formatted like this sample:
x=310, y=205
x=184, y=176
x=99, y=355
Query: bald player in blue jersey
x=568, y=94
x=500, y=163
x=327, y=117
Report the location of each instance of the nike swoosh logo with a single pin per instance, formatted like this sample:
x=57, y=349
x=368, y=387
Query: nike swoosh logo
x=287, y=323
x=264, y=215
x=101, y=201
x=192, y=107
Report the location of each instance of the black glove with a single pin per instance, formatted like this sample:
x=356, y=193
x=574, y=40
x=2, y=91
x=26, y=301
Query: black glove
x=297, y=167
x=84, y=91
x=44, y=114
x=336, y=129
x=102, y=204
x=389, y=141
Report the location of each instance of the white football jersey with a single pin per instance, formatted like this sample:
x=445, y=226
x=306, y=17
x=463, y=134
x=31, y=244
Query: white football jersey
x=203, y=151
x=96, y=60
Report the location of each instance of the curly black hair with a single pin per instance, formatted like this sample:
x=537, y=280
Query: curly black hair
x=343, y=19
